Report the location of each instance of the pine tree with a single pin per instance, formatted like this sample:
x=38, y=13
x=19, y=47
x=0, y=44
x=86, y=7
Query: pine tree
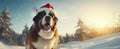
x=5, y=21
x=22, y=37
x=61, y=40
x=119, y=23
x=6, y=18
x=117, y=29
x=82, y=31
x=7, y=35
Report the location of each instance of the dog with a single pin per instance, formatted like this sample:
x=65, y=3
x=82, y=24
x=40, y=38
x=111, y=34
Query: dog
x=43, y=33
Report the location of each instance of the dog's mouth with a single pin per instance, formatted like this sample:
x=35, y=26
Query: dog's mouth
x=46, y=27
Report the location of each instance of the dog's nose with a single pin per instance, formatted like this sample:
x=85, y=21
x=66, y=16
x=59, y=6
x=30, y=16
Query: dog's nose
x=47, y=19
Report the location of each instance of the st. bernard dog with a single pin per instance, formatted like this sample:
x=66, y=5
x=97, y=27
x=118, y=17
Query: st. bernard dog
x=43, y=33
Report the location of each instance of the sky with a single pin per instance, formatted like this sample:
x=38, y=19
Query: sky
x=68, y=12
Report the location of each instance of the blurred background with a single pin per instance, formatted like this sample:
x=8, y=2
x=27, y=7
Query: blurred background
x=79, y=20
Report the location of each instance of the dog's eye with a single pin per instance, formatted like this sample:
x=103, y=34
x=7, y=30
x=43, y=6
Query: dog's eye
x=51, y=14
x=42, y=13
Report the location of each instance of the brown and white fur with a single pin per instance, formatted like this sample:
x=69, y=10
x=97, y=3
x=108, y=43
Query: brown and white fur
x=43, y=33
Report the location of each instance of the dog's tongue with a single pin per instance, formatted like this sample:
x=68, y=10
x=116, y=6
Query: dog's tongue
x=47, y=27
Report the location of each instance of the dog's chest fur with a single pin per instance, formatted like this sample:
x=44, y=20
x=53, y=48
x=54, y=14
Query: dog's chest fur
x=44, y=43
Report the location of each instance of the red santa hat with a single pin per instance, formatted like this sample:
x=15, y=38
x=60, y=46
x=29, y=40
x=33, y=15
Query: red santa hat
x=48, y=6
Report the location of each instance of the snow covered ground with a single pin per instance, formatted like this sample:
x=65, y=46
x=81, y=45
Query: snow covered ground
x=105, y=42
x=2, y=46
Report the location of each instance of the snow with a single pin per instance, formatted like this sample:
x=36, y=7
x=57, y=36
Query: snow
x=2, y=46
x=105, y=42
x=16, y=47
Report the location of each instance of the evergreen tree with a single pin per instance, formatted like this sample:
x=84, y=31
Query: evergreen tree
x=61, y=40
x=23, y=36
x=7, y=35
x=5, y=21
x=6, y=18
x=82, y=31
x=117, y=29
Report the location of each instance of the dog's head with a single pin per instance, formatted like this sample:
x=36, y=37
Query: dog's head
x=45, y=21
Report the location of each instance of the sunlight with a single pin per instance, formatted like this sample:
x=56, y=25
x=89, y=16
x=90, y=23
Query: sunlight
x=99, y=20
x=98, y=17
x=100, y=23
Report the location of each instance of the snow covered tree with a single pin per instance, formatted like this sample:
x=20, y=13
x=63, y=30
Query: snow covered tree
x=6, y=18
x=22, y=37
x=67, y=38
x=5, y=21
x=82, y=31
x=117, y=28
x=7, y=35
x=61, y=40
x=118, y=24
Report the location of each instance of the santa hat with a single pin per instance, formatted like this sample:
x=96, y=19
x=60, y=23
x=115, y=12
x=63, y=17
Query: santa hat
x=48, y=7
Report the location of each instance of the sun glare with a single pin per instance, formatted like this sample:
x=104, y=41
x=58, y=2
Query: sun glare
x=98, y=17
x=99, y=20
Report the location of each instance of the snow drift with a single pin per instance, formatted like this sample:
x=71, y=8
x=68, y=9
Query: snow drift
x=105, y=42
x=2, y=46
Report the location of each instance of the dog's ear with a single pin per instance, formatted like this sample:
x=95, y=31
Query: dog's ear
x=36, y=18
x=39, y=16
x=55, y=19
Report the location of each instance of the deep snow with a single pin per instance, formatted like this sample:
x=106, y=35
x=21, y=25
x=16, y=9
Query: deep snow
x=105, y=42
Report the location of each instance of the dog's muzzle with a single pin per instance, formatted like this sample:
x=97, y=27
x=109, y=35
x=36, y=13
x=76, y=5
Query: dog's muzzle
x=47, y=23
